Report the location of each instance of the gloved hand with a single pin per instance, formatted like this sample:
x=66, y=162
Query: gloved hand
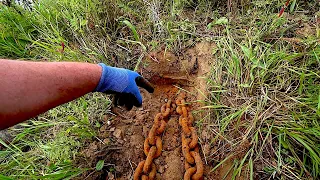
x=124, y=84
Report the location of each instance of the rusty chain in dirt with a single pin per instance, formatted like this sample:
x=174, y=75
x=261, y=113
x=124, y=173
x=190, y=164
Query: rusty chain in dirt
x=190, y=149
x=146, y=169
x=152, y=147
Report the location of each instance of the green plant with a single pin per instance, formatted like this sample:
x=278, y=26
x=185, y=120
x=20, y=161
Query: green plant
x=272, y=90
x=46, y=147
x=15, y=32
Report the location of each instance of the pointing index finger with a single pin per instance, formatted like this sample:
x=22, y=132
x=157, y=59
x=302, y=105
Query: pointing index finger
x=141, y=82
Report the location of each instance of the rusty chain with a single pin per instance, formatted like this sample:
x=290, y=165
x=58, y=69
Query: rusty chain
x=146, y=170
x=190, y=150
x=152, y=147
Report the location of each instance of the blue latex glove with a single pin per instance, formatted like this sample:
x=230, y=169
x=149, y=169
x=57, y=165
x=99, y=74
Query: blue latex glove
x=124, y=84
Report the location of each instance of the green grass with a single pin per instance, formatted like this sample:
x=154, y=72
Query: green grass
x=264, y=85
x=271, y=89
x=46, y=147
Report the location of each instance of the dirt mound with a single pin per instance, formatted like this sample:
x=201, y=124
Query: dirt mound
x=170, y=74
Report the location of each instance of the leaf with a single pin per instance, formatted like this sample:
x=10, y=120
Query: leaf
x=237, y=64
x=83, y=22
x=252, y=71
x=214, y=107
x=133, y=29
x=283, y=142
x=99, y=165
x=318, y=108
x=221, y=21
x=245, y=85
x=71, y=118
x=98, y=125
x=319, y=102
x=306, y=145
x=246, y=51
x=293, y=4
x=301, y=86
x=4, y=177
x=251, y=168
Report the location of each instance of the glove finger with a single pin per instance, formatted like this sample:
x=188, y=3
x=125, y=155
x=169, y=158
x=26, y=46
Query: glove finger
x=137, y=97
x=129, y=102
x=136, y=103
x=141, y=82
x=115, y=100
x=122, y=100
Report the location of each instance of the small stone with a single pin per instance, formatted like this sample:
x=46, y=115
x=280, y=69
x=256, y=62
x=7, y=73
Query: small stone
x=145, y=130
x=166, y=166
x=110, y=176
x=112, y=129
x=106, y=141
x=103, y=128
x=157, y=161
x=205, y=135
x=158, y=176
x=206, y=149
x=117, y=133
x=109, y=123
x=118, y=168
x=161, y=169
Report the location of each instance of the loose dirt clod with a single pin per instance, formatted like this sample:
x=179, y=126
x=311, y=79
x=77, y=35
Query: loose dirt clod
x=117, y=133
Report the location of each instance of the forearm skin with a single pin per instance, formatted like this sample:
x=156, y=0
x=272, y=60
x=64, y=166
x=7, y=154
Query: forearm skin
x=30, y=88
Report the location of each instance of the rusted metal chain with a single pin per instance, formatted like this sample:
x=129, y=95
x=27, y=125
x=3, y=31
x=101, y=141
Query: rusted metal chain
x=146, y=170
x=190, y=149
x=153, y=144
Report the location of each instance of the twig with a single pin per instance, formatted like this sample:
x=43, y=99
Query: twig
x=283, y=8
x=90, y=174
x=131, y=166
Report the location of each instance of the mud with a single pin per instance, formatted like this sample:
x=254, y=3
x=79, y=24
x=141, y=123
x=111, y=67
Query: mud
x=170, y=74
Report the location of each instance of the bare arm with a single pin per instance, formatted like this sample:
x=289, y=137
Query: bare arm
x=30, y=88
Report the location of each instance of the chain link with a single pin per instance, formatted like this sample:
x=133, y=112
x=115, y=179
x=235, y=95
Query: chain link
x=146, y=170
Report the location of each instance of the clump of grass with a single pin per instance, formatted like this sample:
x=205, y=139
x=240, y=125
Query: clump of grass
x=47, y=147
x=90, y=31
x=15, y=32
x=272, y=90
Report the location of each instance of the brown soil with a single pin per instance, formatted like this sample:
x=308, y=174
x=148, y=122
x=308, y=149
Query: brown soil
x=123, y=136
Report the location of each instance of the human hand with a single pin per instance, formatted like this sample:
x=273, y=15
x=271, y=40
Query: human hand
x=124, y=84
